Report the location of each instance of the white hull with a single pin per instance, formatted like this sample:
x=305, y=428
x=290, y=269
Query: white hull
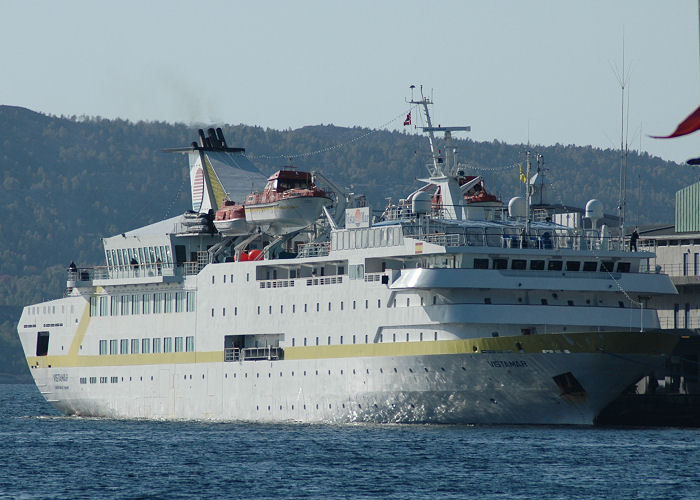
x=286, y=216
x=512, y=388
x=233, y=227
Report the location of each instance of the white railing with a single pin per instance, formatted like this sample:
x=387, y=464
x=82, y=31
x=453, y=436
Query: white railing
x=535, y=239
x=677, y=269
x=253, y=353
x=315, y=249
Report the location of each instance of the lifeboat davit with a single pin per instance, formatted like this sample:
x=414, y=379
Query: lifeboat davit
x=289, y=202
x=230, y=220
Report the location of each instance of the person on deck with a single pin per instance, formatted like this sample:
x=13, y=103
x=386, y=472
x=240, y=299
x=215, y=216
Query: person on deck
x=633, y=240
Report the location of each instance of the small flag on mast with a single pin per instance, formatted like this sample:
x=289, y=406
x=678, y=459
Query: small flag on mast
x=407, y=121
x=687, y=126
x=523, y=177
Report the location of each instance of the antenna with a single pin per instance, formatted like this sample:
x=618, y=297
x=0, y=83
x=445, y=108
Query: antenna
x=623, y=80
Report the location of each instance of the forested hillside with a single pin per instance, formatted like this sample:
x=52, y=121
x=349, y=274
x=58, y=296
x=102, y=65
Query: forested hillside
x=67, y=182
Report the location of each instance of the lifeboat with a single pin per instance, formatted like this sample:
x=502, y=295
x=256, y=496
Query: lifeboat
x=230, y=220
x=476, y=195
x=289, y=202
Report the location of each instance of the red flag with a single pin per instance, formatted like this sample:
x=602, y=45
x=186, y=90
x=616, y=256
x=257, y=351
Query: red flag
x=687, y=126
x=407, y=121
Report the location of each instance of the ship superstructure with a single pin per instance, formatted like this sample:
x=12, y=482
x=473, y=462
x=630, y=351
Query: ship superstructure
x=450, y=308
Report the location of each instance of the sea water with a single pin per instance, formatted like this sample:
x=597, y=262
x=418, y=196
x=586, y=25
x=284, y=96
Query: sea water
x=46, y=455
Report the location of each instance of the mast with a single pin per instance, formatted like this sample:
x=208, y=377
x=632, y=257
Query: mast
x=424, y=101
x=439, y=167
x=622, y=198
x=528, y=200
x=444, y=169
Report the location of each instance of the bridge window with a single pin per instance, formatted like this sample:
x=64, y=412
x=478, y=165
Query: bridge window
x=590, y=265
x=518, y=264
x=481, y=263
x=500, y=263
x=573, y=265
x=537, y=265
x=624, y=267
x=555, y=265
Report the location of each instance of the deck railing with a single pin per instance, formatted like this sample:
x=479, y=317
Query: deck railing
x=253, y=353
x=489, y=237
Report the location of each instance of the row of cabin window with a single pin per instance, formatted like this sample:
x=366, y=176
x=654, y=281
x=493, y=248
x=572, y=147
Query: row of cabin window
x=213, y=278
x=146, y=346
x=318, y=306
x=552, y=265
x=113, y=380
x=34, y=310
x=122, y=257
x=394, y=338
x=125, y=305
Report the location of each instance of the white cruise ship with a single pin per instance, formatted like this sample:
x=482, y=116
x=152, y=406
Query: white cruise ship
x=448, y=309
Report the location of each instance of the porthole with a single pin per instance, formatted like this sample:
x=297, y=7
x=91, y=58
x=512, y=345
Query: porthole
x=395, y=371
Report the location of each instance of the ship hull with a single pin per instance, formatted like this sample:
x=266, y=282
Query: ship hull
x=465, y=388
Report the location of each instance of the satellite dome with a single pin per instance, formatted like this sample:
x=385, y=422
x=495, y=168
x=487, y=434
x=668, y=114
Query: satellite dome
x=517, y=207
x=594, y=209
x=421, y=203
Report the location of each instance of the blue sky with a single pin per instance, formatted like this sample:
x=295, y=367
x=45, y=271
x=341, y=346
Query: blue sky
x=510, y=69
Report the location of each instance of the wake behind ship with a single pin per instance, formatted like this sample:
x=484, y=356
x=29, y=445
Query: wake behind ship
x=275, y=299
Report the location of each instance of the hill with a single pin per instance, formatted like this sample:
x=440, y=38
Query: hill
x=67, y=181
